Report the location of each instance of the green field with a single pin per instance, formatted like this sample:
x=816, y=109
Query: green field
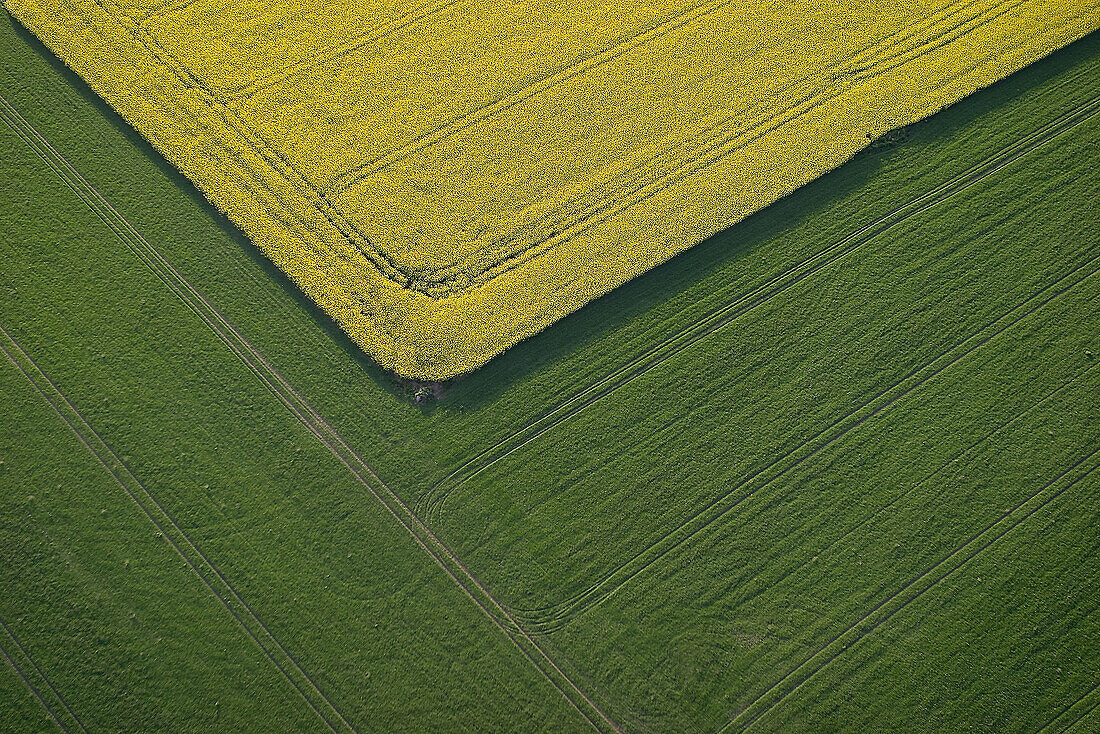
x=834, y=469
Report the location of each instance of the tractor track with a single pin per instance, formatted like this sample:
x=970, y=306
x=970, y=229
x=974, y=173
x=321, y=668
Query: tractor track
x=430, y=504
x=255, y=361
x=174, y=535
x=41, y=676
x=553, y=617
x=1084, y=701
x=913, y=590
x=973, y=447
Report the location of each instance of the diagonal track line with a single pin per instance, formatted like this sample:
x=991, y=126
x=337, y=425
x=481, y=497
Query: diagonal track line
x=372, y=35
x=379, y=162
x=175, y=536
x=758, y=115
x=34, y=691
x=161, y=10
x=1087, y=712
x=687, y=16
x=1084, y=702
x=969, y=451
x=21, y=653
x=365, y=38
x=430, y=504
x=252, y=358
x=912, y=591
x=554, y=617
x=637, y=184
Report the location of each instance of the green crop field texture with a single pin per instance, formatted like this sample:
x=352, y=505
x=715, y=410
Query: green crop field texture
x=248, y=497
x=835, y=469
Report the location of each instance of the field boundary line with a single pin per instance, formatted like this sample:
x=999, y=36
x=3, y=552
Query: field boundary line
x=909, y=593
x=554, y=617
x=174, y=535
x=282, y=389
x=40, y=676
x=430, y=504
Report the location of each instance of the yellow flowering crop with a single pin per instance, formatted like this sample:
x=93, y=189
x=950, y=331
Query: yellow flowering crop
x=447, y=177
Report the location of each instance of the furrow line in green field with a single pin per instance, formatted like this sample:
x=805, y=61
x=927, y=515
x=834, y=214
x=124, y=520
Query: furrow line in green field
x=459, y=573
x=954, y=460
x=911, y=591
x=294, y=401
x=1076, y=711
x=15, y=650
x=430, y=504
x=1083, y=717
x=551, y=618
x=175, y=536
x=556, y=616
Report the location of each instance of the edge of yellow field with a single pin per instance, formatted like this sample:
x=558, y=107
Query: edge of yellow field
x=433, y=339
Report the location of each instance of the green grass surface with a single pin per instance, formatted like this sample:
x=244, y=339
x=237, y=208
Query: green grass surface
x=756, y=486
x=83, y=557
x=23, y=710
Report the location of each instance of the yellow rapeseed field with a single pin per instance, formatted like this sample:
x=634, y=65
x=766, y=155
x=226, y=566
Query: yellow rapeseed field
x=447, y=177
